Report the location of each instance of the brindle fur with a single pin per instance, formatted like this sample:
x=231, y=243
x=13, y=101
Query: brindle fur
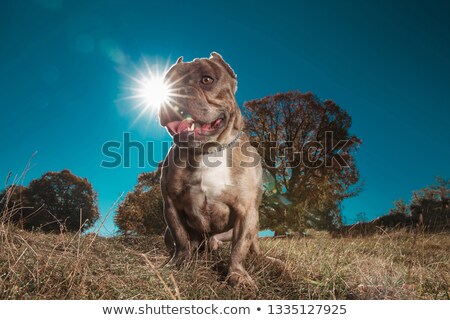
x=204, y=203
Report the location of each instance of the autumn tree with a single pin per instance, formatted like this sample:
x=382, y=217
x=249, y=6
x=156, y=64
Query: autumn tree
x=430, y=206
x=428, y=211
x=308, y=157
x=12, y=205
x=141, y=212
x=58, y=201
x=400, y=207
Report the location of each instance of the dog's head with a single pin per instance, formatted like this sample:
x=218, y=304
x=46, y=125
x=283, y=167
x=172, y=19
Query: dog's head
x=202, y=107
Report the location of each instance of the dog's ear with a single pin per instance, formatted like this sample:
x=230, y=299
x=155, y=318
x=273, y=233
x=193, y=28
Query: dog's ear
x=238, y=119
x=179, y=60
x=166, y=112
x=218, y=59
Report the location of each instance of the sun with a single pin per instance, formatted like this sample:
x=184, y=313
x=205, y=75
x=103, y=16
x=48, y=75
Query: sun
x=149, y=90
x=154, y=91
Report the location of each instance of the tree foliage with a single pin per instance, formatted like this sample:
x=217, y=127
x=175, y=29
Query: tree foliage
x=428, y=211
x=141, y=212
x=400, y=207
x=308, y=155
x=430, y=206
x=58, y=201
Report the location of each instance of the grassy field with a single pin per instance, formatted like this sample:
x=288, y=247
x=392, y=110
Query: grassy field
x=398, y=265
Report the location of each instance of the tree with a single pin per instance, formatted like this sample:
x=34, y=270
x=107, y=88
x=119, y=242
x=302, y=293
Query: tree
x=400, y=207
x=307, y=152
x=430, y=206
x=12, y=205
x=141, y=212
x=429, y=210
x=58, y=201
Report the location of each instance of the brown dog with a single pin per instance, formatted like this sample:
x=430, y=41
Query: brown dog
x=211, y=179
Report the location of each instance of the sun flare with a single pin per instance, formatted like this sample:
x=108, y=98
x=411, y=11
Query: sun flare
x=149, y=90
x=154, y=91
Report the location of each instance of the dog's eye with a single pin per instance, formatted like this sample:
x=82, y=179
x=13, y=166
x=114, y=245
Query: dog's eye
x=207, y=80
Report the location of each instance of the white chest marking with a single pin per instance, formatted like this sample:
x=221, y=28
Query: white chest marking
x=214, y=175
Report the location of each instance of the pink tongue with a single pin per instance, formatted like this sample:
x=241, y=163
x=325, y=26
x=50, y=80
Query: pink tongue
x=179, y=126
x=206, y=127
x=217, y=122
x=173, y=126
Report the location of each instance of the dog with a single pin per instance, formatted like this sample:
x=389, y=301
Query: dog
x=211, y=178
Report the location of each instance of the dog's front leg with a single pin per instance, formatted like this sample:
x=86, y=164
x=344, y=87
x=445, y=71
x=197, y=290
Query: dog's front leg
x=217, y=240
x=179, y=234
x=245, y=233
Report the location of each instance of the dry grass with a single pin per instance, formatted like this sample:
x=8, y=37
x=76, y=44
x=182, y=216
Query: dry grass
x=399, y=265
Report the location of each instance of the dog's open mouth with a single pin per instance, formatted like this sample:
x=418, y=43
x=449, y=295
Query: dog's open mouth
x=191, y=126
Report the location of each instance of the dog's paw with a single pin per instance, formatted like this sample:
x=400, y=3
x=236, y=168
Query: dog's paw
x=241, y=280
x=214, y=244
x=179, y=259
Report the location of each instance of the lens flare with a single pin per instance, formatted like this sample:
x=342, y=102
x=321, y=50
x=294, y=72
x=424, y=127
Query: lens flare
x=148, y=90
x=154, y=92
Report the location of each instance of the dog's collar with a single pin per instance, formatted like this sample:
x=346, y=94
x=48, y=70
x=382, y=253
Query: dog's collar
x=220, y=147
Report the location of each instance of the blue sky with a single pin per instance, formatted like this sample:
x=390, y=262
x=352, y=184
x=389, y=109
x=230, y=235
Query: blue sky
x=63, y=66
